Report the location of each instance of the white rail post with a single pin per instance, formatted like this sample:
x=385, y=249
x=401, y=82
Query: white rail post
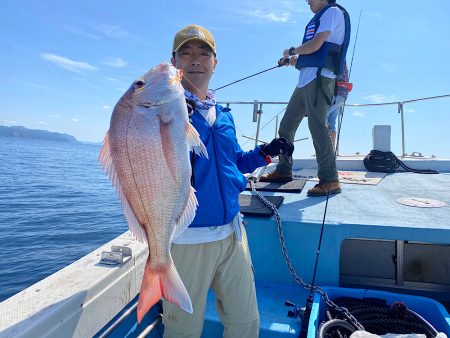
x=400, y=110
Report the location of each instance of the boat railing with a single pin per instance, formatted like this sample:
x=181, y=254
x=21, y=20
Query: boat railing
x=258, y=110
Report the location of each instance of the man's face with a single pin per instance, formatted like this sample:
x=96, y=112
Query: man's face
x=198, y=62
x=316, y=5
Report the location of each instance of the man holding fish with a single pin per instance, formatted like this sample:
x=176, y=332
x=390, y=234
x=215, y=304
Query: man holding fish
x=213, y=251
x=173, y=156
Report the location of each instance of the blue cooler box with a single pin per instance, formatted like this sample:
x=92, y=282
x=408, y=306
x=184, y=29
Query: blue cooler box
x=433, y=311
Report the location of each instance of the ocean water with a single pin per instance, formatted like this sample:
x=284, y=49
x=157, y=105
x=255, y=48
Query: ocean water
x=56, y=206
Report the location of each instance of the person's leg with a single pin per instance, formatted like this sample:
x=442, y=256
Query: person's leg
x=317, y=113
x=294, y=114
x=234, y=287
x=332, y=114
x=196, y=264
x=331, y=120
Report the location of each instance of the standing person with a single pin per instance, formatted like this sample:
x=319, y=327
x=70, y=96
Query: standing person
x=213, y=251
x=342, y=90
x=320, y=59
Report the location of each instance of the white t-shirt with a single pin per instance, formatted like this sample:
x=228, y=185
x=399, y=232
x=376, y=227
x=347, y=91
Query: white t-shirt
x=207, y=234
x=209, y=115
x=332, y=20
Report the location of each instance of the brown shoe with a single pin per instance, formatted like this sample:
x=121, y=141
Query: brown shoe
x=321, y=189
x=275, y=176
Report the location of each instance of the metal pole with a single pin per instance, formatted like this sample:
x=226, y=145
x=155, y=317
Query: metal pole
x=399, y=262
x=340, y=117
x=255, y=111
x=258, y=114
x=276, y=126
x=400, y=110
x=119, y=320
x=150, y=328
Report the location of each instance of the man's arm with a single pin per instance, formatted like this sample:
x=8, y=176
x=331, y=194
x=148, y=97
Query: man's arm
x=310, y=46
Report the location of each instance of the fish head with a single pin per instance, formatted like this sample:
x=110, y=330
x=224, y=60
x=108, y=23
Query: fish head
x=159, y=86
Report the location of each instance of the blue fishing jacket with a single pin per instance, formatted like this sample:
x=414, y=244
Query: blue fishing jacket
x=220, y=179
x=329, y=55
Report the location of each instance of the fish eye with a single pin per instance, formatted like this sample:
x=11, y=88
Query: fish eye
x=139, y=83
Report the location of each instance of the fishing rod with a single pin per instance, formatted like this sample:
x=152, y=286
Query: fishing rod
x=354, y=45
x=247, y=77
x=310, y=299
x=341, y=115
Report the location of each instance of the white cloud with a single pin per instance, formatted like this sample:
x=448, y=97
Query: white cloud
x=8, y=122
x=117, y=32
x=282, y=12
x=106, y=108
x=380, y=98
x=410, y=110
x=75, y=120
x=111, y=79
x=115, y=62
x=112, y=31
x=39, y=86
x=271, y=16
x=79, y=31
x=358, y=114
x=43, y=123
x=68, y=64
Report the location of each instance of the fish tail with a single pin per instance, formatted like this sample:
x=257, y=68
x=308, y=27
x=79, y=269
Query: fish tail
x=162, y=283
x=194, y=142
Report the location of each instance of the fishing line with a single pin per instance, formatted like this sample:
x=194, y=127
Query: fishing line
x=193, y=85
x=341, y=115
x=247, y=77
x=262, y=128
x=310, y=298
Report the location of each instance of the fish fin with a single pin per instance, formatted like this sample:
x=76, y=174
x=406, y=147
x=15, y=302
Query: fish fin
x=187, y=216
x=107, y=165
x=162, y=283
x=167, y=146
x=133, y=224
x=194, y=142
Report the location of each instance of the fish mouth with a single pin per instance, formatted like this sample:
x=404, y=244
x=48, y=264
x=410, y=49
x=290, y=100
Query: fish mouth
x=170, y=99
x=151, y=105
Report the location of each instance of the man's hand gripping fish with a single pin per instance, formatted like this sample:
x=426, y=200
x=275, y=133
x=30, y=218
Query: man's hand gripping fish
x=146, y=155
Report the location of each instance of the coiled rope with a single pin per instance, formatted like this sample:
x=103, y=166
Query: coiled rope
x=387, y=162
x=376, y=317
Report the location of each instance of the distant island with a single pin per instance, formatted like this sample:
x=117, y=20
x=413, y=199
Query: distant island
x=36, y=134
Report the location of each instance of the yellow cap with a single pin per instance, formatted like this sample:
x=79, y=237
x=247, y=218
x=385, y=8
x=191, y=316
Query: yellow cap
x=193, y=32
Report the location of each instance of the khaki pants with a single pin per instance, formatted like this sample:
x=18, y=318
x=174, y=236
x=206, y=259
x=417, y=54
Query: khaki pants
x=302, y=102
x=225, y=266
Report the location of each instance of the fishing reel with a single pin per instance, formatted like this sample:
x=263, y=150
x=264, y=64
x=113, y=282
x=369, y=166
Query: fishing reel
x=296, y=312
x=284, y=62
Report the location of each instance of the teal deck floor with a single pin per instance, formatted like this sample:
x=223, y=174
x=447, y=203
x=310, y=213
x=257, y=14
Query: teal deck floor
x=275, y=322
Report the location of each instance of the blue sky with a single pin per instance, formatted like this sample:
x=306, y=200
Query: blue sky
x=64, y=64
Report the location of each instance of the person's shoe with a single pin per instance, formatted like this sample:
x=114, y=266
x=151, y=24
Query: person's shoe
x=275, y=176
x=321, y=189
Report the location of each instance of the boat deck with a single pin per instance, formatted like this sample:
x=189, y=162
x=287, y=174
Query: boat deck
x=275, y=322
x=360, y=212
